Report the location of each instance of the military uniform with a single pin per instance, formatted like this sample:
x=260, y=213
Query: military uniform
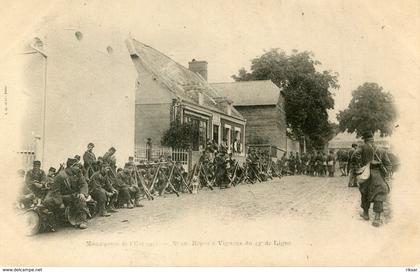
x=351, y=167
x=102, y=191
x=36, y=180
x=331, y=164
x=292, y=164
x=71, y=190
x=222, y=178
x=376, y=188
x=127, y=188
x=89, y=162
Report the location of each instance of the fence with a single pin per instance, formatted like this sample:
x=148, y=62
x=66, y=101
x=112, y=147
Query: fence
x=142, y=153
x=27, y=157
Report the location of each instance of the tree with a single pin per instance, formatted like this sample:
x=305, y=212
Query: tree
x=180, y=135
x=370, y=110
x=306, y=91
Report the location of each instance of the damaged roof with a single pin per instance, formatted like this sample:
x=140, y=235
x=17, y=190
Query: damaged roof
x=249, y=93
x=183, y=83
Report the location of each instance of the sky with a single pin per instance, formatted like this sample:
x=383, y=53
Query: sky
x=363, y=41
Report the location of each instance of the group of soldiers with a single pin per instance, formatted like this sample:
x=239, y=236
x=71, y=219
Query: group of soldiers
x=218, y=168
x=77, y=191
x=88, y=186
x=315, y=163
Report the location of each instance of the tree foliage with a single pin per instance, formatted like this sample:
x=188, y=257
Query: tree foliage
x=307, y=92
x=371, y=109
x=180, y=135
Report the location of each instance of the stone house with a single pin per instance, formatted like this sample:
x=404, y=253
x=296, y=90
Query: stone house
x=261, y=103
x=166, y=90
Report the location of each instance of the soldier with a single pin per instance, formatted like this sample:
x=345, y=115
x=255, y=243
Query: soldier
x=36, y=181
x=109, y=157
x=351, y=166
x=102, y=191
x=222, y=178
x=127, y=187
x=298, y=163
x=375, y=189
x=71, y=191
x=292, y=163
x=313, y=163
x=89, y=160
x=343, y=158
x=331, y=164
x=304, y=165
x=281, y=164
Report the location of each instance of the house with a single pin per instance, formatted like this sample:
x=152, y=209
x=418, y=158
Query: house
x=67, y=79
x=166, y=90
x=344, y=140
x=261, y=103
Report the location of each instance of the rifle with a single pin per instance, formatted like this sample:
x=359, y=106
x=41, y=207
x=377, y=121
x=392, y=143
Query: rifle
x=137, y=177
x=169, y=183
x=183, y=180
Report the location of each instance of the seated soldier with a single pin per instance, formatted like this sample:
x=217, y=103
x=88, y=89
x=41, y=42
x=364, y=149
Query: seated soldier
x=127, y=188
x=102, y=191
x=70, y=190
x=26, y=198
x=36, y=181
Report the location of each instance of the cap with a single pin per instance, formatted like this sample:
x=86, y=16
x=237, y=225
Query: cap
x=37, y=163
x=52, y=169
x=71, y=162
x=367, y=136
x=91, y=144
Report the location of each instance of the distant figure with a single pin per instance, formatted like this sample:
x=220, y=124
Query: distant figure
x=331, y=164
x=351, y=166
x=149, y=149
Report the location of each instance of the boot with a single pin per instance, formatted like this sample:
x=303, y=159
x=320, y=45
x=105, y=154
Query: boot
x=102, y=212
x=130, y=206
x=137, y=203
x=365, y=215
x=111, y=208
x=377, y=221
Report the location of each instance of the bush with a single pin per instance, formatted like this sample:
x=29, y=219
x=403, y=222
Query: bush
x=180, y=135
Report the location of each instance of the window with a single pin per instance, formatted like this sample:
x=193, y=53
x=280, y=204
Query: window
x=227, y=136
x=216, y=134
x=201, y=125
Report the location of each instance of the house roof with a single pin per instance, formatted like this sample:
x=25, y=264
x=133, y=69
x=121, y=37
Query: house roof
x=250, y=93
x=345, y=140
x=180, y=81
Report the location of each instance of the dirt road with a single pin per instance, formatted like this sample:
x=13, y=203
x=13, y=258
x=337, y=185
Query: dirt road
x=296, y=220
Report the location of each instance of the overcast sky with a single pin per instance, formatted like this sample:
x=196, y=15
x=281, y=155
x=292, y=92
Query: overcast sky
x=361, y=40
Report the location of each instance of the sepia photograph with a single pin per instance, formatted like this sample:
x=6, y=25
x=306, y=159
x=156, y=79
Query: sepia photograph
x=210, y=133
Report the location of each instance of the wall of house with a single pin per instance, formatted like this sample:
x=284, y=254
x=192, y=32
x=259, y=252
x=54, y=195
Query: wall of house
x=90, y=85
x=264, y=124
x=152, y=120
x=153, y=107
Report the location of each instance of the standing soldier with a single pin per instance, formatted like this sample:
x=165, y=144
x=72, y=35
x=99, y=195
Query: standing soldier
x=89, y=160
x=351, y=166
x=375, y=189
x=313, y=163
x=109, y=157
x=331, y=163
x=298, y=163
x=222, y=178
x=71, y=190
x=292, y=163
x=102, y=191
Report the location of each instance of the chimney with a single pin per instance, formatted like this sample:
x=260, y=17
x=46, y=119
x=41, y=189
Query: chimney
x=198, y=66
